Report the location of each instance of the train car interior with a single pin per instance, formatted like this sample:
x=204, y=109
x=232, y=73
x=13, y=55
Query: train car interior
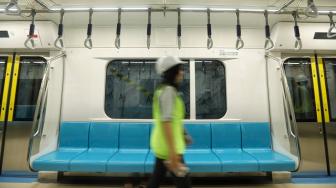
x=78, y=83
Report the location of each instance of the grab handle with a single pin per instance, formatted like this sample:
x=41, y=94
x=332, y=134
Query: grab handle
x=88, y=40
x=59, y=41
x=239, y=42
x=118, y=31
x=30, y=37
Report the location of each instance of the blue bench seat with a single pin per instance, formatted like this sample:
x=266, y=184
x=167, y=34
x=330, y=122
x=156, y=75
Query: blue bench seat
x=260, y=148
x=226, y=143
x=73, y=142
x=199, y=157
x=103, y=144
x=133, y=149
x=124, y=147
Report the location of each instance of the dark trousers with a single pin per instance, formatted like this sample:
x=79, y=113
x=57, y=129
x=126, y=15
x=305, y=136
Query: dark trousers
x=159, y=174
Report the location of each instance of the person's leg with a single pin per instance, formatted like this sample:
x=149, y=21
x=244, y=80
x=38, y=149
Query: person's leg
x=182, y=182
x=159, y=173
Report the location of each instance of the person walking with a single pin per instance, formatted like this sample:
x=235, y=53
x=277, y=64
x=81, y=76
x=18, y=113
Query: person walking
x=168, y=138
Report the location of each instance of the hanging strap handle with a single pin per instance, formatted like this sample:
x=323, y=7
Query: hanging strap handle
x=311, y=10
x=269, y=44
x=298, y=42
x=179, y=28
x=59, y=41
x=118, y=31
x=209, y=41
x=239, y=41
x=149, y=28
x=332, y=26
x=31, y=32
x=88, y=40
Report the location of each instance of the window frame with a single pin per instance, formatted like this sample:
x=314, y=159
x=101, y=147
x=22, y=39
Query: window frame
x=192, y=85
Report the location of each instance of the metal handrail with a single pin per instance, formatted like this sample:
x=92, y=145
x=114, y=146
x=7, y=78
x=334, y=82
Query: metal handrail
x=289, y=109
x=38, y=121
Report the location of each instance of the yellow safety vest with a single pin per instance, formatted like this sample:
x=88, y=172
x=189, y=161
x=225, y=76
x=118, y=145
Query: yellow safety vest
x=158, y=140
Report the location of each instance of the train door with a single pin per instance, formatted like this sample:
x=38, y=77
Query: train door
x=329, y=88
x=21, y=78
x=308, y=86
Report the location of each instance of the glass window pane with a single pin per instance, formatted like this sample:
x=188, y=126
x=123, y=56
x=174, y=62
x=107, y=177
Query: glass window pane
x=210, y=89
x=129, y=89
x=30, y=78
x=330, y=68
x=298, y=73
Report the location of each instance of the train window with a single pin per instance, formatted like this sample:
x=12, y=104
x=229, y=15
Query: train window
x=330, y=69
x=30, y=78
x=298, y=73
x=129, y=88
x=210, y=89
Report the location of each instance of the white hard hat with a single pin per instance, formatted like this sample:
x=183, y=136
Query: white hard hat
x=166, y=62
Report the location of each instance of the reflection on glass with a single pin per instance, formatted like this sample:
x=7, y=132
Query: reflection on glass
x=30, y=78
x=210, y=90
x=298, y=73
x=330, y=68
x=130, y=85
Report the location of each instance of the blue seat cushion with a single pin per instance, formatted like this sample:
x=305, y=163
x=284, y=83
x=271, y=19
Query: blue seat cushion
x=236, y=160
x=202, y=161
x=104, y=135
x=196, y=161
x=128, y=161
x=74, y=135
x=134, y=136
x=73, y=140
x=201, y=135
x=270, y=160
x=149, y=163
x=256, y=135
x=58, y=160
x=103, y=144
x=226, y=135
x=93, y=160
